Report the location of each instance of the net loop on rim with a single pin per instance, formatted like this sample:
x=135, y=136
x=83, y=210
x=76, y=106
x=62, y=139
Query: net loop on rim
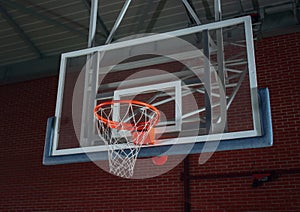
x=124, y=126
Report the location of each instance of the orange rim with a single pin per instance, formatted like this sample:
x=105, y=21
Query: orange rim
x=127, y=126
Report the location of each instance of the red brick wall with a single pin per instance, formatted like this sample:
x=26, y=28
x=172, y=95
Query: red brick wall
x=223, y=184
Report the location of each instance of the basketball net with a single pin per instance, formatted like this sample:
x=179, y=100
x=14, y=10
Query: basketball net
x=124, y=126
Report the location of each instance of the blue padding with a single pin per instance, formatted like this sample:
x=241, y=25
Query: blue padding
x=233, y=144
x=49, y=159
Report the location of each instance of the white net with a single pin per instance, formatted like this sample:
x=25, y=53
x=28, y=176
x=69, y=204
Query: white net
x=124, y=126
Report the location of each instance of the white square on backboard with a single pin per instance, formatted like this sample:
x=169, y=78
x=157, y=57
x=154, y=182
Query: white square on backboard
x=176, y=85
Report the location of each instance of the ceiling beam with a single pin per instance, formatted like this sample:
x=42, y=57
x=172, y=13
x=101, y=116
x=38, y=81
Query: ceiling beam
x=93, y=23
x=118, y=21
x=102, y=25
x=20, y=31
x=155, y=16
x=44, y=17
x=208, y=13
x=241, y=6
x=255, y=5
x=59, y=17
x=145, y=12
x=191, y=12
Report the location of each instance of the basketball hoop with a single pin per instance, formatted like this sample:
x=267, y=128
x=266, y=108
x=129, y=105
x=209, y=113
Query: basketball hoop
x=124, y=126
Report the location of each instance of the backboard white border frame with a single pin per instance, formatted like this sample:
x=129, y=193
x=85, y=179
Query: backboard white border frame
x=158, y=37
x=159, y=87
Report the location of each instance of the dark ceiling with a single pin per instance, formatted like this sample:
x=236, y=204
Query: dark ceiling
x=33, y=30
